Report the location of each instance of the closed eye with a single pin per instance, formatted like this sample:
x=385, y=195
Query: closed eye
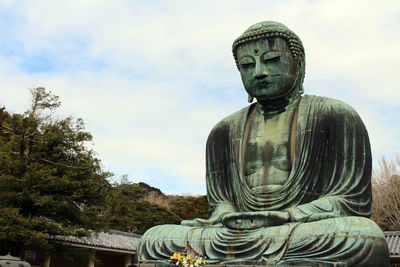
x=247, y=65
x=272, y=59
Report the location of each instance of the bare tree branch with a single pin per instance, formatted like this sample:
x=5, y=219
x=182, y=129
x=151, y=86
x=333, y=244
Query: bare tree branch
x=386, y=194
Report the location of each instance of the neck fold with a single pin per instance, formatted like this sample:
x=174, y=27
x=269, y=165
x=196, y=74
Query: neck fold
x=270, y=107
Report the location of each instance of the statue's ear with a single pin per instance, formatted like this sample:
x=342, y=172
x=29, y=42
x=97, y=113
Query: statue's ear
x=250, y=99
x=302, y=70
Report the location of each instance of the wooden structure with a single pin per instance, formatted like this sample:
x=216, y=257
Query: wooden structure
x=393, y=241
x=111, y=249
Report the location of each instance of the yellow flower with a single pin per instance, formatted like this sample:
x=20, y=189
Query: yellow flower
x=176, y=256
x=186, y=259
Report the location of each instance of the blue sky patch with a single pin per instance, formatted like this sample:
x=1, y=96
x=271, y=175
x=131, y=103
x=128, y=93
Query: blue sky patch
x=37, y=64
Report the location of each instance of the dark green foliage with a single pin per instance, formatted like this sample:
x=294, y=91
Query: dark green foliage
x=50, y=182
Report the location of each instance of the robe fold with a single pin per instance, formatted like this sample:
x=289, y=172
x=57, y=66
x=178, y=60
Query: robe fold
x=330, y=174
x=331, y=171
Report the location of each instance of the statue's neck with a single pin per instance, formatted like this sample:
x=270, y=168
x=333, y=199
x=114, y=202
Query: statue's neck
x=271, y=107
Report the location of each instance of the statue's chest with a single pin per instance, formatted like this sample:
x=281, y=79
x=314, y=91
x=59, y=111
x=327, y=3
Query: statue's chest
x=267, y=149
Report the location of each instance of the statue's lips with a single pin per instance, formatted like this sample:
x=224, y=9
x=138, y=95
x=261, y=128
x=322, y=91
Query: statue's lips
x=265, y=82
x=262, y=84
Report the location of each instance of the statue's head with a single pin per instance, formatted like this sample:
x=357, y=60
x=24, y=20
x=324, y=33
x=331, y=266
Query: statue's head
x=270, y=58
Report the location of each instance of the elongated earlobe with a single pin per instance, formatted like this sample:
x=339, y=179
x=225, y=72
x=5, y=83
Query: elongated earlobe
x=250, y=99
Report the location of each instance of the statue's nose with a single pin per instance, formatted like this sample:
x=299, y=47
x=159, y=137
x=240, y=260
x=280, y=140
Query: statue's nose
x=260, y=71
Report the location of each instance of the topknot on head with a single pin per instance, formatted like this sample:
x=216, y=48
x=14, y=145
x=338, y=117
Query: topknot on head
x=270, y=29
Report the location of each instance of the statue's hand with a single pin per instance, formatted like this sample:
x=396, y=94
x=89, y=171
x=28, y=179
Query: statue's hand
x=200, y=222
x=215, y=218
x=254, y=220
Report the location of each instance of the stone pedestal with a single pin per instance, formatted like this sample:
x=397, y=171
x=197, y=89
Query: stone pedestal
x=228, y=265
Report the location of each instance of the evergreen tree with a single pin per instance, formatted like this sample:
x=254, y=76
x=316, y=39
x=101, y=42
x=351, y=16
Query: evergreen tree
x=50, y=181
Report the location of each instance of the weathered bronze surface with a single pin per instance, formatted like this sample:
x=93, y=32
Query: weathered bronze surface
x=288, y=177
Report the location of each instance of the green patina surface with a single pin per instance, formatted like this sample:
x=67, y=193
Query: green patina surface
x=288, y=177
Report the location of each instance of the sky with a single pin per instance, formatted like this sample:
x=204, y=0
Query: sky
x=151, y=78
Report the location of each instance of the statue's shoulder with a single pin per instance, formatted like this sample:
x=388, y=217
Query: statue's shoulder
x=233, y=120
x=325, y=104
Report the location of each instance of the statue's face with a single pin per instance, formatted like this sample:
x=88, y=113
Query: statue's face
x=267, y=68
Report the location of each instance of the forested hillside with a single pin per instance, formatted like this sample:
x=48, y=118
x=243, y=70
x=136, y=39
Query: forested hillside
x=135, y=207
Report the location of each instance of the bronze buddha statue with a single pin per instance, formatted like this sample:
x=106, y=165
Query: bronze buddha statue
x=288, y=177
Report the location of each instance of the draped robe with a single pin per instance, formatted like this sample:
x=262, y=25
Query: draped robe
x=327, y=195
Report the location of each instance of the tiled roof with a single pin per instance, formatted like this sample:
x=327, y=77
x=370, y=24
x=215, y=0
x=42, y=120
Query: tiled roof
x=393, y=241
x=128, y=242
x=115, y=240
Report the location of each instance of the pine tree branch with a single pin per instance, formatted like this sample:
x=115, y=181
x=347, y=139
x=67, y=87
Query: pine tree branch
x=63, y=164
